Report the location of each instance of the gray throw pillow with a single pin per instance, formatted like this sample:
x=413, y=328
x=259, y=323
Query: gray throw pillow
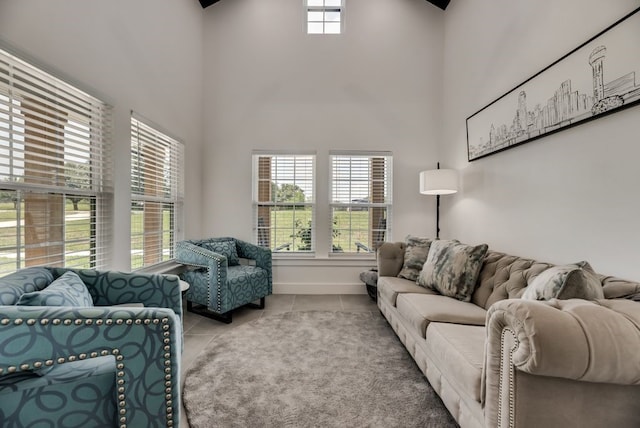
x=67, y=290
x=415, y=255
x=452, y=268
x=572, y=281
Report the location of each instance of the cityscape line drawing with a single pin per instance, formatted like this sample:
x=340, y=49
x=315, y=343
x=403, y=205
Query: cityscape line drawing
x=606, y=70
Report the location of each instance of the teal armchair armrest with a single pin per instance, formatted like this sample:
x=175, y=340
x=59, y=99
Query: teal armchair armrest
x=216, y=272
x=145, y=342
x=261, y=255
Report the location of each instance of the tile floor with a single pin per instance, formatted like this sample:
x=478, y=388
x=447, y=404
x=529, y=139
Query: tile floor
x=199, y=331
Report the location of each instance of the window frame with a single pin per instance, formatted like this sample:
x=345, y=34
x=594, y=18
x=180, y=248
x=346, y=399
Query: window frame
x=324, y=9
x=55, y=148
x=270, y=233
x=379, y=212
x=166, y=171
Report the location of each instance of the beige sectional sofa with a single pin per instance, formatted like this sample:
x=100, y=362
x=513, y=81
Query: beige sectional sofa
x=502, y=361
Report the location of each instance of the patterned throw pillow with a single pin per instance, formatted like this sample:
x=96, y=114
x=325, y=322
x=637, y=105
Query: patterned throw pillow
x=415, y=255
x=23, y=281
x=224, y=248
x=573, y=281
x=452, y=268
x=67, y=290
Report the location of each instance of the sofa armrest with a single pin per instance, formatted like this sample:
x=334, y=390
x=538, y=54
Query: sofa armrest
x=390, y=258
x=573, y=339
x=146, y=343
x=585, y=353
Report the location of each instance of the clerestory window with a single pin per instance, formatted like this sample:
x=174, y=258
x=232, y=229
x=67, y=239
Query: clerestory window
x=325, y=16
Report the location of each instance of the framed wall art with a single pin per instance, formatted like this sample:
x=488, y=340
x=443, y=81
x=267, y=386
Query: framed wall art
x=599, y=77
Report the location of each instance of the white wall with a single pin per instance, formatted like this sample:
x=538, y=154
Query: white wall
x=142, y=55
x=268, y=85
x=565, y=197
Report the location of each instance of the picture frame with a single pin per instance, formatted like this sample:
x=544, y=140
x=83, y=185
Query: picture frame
x=599, y=77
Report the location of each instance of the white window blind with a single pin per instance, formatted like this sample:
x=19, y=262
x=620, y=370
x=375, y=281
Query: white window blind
x=360, y=192
x=156, y=194
x=284, y=201
x=55, y=184
x=324, y=16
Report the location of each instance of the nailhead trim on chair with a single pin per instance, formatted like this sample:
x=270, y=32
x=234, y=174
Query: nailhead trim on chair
x=120, y=366
x=218, y=295
x=217, y=260
x=218, y=264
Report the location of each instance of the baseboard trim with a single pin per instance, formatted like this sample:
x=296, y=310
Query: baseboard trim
x=297, y=288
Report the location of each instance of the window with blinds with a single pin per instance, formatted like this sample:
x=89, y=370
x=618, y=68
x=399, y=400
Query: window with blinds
x=55, y=184
x=156, y=194
x=284, y=201
x=360, y=192
x=324, y=16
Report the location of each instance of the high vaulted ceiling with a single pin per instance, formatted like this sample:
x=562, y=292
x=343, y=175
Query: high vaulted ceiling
x=442, y=4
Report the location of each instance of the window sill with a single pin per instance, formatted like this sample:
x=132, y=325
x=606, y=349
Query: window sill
x=168, y=267
x=328, y=260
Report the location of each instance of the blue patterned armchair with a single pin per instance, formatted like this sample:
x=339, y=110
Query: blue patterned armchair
x=104, y=365
x=224, y=274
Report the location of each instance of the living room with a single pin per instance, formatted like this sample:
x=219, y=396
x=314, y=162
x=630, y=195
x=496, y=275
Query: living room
x=243, y=76
x=408, y=89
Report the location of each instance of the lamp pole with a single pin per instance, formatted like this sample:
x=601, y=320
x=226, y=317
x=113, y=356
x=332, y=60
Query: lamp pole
x=438, y=212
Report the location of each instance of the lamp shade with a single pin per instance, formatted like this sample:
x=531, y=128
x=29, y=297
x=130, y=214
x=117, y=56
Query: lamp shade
x=439, y=182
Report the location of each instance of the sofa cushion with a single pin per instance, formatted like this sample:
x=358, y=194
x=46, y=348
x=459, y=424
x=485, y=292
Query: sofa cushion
x=390, y=257
x=245, y=283
x=225, y=248
x=452, y=268
x=415, y=255
x=574, y=281
x=67, y=290
x=389, y=287
x=23, y=281
x=421, y=309
x=458, y=351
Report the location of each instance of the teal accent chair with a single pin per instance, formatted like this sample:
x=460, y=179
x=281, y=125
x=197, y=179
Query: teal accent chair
x=100, y=366
x=224, y=274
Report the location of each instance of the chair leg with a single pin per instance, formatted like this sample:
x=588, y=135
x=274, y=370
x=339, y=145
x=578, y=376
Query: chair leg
x=256, y=305
x=203, y=311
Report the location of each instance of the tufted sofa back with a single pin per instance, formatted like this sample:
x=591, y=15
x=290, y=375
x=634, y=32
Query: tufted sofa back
x=504, y=276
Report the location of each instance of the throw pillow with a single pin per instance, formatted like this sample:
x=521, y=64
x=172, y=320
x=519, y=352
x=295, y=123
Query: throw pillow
x=452, y=268
x=67, y=290
x=415, y=255
x=573, y=281
x=224, y=248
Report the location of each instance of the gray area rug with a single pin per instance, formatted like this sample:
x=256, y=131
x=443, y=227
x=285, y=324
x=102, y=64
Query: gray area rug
x=310, y=369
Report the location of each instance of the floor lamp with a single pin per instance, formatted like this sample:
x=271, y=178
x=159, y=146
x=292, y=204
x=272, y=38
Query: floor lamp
x=438, y=182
